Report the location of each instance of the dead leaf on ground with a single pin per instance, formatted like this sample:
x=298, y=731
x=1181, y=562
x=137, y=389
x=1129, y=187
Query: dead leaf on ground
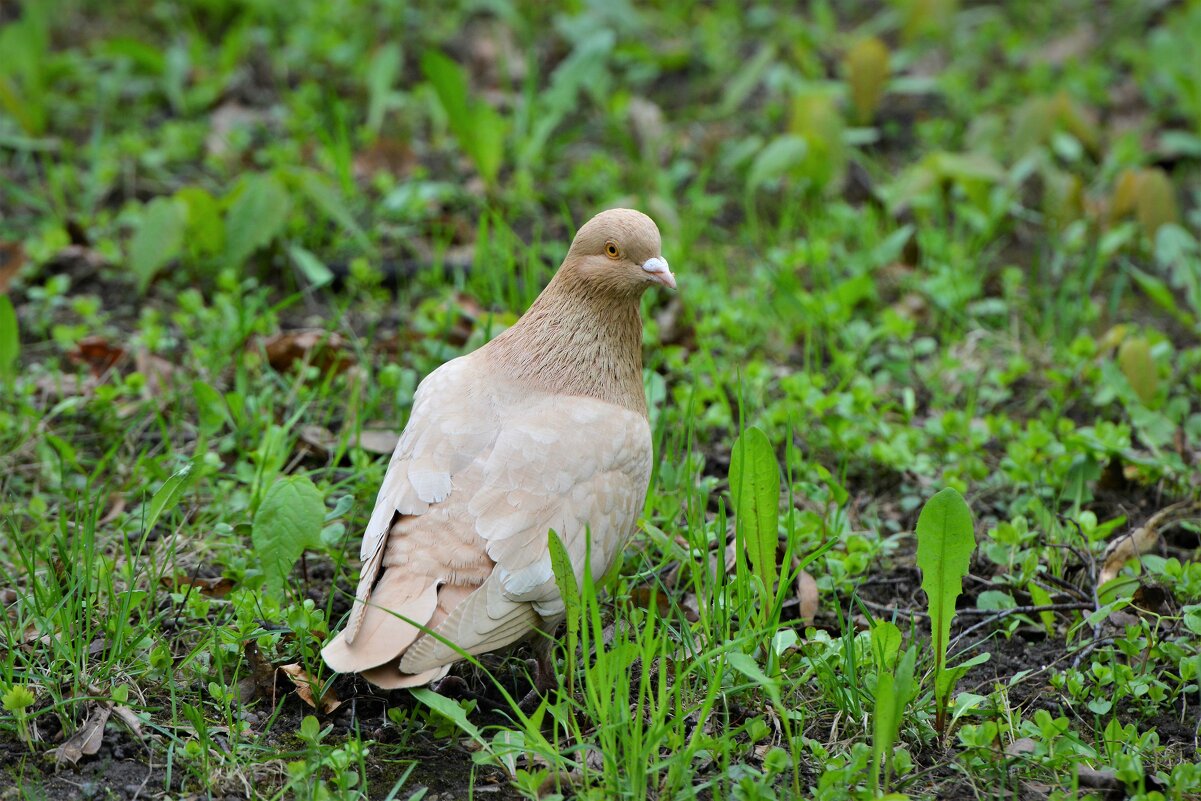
x=157, y=371
x=308, y=690
x=58, y=386
x=261, y=681
x=1021, y=746
x=116, y=507
x=217, y=587
x=228, y=118
x=87, y=738
x=324, y=349
x=79, y=261
x=806, y=590
x=380, y=441
x=12, y=259
x=1130, y=546
x=129, y=718
x=97, y=354
x=390, y=156
x=317, y=439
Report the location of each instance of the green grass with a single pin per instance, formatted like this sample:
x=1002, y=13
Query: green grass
x=991, y=282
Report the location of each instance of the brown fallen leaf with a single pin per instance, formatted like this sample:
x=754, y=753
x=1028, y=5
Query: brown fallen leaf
x=12, y=259
x=325, y=349
x=157, y=370
x=129, y=718
x=261, y=681
x=97, y=354
x=1130, y=546
x=57, y=386
x=217, y=587
x=307, y=689
x=116, y=507
x=806, y=590
x=318, y=440
x=87, y=738
x=380, y=441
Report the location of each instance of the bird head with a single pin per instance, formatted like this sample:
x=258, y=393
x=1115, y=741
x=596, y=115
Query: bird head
x=620, y=251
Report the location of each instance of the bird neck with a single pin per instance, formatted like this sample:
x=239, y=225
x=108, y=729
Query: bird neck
x=577, y=340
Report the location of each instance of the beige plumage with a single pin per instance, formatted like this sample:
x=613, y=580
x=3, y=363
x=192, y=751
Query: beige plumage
x=543, y=428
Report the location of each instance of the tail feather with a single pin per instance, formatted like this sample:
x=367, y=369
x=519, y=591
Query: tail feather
x=385, y=631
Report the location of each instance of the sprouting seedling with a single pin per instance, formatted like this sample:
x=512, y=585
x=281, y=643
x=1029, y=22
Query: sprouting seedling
x=945, y=541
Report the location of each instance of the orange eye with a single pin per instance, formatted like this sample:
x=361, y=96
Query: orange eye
x=611, y=250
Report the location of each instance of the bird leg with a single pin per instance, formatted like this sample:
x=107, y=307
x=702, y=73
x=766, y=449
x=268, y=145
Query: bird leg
x=546, y=677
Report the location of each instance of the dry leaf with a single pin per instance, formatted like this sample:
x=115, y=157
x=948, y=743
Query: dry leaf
x=129, y=718
x=117, y=506
x=261, y=681
x=87, y=738
x=307, y=689
x=12, y=259
x=217, y=587
x=324, y=349
x=381, y=441
x=227, y=118
x=318, y=439
x=97, y=354
x=806, y=590
x=157, y=371
x=1142, y=539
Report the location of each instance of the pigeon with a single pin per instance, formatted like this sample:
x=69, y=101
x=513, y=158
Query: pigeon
x=543, y=428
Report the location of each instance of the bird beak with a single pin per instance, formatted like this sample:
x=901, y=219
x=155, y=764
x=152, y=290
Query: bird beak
x=656, y=268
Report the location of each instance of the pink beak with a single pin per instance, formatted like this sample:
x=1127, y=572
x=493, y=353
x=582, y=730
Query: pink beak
x=656, y=267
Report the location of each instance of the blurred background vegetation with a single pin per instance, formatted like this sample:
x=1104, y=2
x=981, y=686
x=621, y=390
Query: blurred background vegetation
x=919, y=243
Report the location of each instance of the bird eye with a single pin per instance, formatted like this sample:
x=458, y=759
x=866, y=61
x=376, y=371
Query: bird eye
x=611, y=250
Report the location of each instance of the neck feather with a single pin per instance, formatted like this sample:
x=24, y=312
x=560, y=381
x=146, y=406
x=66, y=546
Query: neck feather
x=577, y=339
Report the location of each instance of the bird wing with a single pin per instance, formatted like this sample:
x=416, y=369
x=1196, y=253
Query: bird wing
x=577, y=465
x=454, y=420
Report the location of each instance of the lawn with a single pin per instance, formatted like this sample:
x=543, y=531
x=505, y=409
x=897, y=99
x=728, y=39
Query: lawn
x=932, y=255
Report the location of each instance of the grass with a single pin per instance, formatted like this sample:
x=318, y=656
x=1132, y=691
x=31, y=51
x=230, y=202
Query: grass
x=919, y=244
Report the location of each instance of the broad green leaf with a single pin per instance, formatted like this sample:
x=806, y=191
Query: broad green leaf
x=382, y=72
x=311, y=267
x=569, y=588
x=946, y=681
x=1138, y=365
x=884, y=725
x=487, y=141
x=450, y=85
x=288, y=522
x=10, y=341
x=451, y=711
x=1040, y=597
x=205, y=230
x=755, y=487
x=167, y=496
x=255, y=217
x=886, y=644
x=776, y=161
x=159, y=239
x=325, y=197
x=945, y=540
x=748, y=667
x=214, y=412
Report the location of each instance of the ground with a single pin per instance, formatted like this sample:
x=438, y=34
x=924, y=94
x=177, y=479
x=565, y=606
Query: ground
x=932, y=255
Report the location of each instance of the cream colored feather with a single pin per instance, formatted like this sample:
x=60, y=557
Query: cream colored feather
x=543, y=428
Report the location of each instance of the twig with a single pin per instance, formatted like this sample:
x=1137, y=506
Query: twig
x=992, y=616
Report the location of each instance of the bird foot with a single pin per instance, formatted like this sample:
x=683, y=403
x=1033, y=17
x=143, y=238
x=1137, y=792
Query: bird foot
x=546, y=678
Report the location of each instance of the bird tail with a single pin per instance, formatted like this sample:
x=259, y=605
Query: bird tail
x=391, y=616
